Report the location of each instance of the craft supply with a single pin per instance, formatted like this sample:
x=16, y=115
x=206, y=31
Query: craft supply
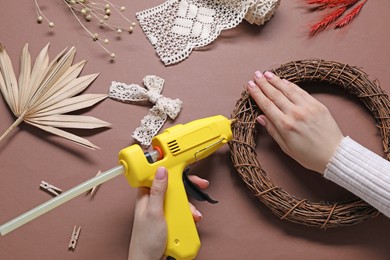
x=335, y=10
x=176, y=27
x=175, y=149
x=88, y=11
x=45, y=92
x=74, y=238
x=50, y=188
x=94, y=189
x=282, y=204
x=59, y=200
x=158, y=114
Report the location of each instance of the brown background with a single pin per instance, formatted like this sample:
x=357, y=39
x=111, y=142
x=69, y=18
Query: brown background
x=209, y=82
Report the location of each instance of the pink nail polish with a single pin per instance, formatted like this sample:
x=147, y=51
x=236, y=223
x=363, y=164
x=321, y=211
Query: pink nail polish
x=161, y=173
x=269, y=75
x=258, y=75
x=251, y=84
x=260, y=120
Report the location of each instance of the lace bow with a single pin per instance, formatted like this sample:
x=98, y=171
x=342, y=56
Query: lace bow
x=176, y=27
x=158, y=114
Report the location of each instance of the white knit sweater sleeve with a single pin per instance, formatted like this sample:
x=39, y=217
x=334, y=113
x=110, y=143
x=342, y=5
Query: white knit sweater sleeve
x=362, y=172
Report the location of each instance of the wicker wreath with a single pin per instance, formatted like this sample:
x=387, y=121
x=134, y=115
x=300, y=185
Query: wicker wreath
x=282, y=204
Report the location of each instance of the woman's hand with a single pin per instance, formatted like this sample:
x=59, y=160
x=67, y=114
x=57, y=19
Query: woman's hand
x=149, y=235
x=300, y=124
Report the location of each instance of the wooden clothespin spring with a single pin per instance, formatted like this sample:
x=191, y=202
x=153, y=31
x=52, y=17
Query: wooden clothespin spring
x=50, y=188
x=74, y=238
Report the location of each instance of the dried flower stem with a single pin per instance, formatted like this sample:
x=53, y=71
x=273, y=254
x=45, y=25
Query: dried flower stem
x=88, y=31
x=118, y=11
x=39, y=13
x=13, y=126
x=93, y=10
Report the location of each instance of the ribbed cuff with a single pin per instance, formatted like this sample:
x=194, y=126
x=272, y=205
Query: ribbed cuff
x=362, y=172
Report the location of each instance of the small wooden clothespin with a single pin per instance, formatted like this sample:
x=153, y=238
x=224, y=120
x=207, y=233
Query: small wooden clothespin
x=94, y=189
x=50, y=188
x=74, y=238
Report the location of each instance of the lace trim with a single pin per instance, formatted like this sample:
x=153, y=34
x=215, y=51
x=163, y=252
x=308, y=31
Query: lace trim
x=163, y=107
x=176, y=27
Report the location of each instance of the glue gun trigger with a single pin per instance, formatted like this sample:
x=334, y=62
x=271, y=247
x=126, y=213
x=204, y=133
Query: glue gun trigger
x=193, y=190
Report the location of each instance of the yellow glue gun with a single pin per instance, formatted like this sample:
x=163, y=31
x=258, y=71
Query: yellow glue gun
x=175, y=149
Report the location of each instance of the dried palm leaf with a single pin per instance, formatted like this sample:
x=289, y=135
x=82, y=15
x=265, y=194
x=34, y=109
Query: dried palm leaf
x=46, y=91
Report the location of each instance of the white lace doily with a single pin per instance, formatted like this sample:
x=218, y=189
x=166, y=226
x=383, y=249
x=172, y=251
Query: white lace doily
x=163, y=107
x=176, y=27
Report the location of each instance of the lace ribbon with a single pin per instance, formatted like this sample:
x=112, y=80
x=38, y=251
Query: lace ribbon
x=158, y=114
x=176, y=27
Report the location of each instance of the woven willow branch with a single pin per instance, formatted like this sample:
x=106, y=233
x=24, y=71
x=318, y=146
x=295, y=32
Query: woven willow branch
x=282, y=204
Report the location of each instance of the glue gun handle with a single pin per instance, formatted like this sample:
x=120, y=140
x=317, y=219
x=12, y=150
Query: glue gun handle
x=182, y=238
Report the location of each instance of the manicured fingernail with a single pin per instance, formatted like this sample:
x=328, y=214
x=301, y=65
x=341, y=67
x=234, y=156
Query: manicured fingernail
x=161, y=173
x=269, y=75
x=199, y=214
x=258, y=75
x=251, y=84
x=286, y=81
x=260, y=120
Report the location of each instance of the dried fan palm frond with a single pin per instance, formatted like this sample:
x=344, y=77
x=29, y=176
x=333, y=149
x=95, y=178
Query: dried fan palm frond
x=46, y=91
